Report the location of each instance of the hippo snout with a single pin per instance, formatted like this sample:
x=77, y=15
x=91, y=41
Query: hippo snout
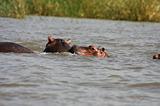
x=90, y=50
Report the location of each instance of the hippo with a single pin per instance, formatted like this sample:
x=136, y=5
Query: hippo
x=156, y=56
x=7, y=47
x=90, y=50
x=57, y=45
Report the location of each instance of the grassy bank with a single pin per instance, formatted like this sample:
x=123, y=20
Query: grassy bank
x=133, y=10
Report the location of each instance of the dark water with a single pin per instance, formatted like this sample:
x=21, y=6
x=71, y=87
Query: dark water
x=128, y=78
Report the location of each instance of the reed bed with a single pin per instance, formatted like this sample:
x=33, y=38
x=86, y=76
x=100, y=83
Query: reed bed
x=133, y=10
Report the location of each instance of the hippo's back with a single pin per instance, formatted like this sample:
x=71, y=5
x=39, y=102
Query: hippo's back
x=7, y=47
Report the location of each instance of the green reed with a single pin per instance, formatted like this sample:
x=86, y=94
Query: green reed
x=134, y=10
x=13, y=8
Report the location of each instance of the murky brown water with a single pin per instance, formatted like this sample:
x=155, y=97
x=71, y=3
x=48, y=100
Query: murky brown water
x=128, y=78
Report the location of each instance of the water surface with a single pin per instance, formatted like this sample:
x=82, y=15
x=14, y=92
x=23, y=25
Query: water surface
x=128, y=78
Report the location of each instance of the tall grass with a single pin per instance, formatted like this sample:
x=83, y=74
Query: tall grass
x=13, y=8
x=134, y=10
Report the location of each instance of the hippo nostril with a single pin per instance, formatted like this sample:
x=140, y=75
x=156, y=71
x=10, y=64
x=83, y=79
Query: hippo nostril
x=92, y=48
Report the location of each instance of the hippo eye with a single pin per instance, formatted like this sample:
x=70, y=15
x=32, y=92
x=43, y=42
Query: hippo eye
x=103, y=49
x=61, y=40
x=91, y=47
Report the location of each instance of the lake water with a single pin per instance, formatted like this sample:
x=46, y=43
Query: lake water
x=130, y=77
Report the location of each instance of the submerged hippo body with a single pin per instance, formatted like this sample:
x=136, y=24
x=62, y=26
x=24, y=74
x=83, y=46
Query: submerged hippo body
x=57, y=45
x=156, y=56
x=89, y=51
x=7, y=47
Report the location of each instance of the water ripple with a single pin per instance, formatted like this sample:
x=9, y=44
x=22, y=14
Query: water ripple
x=129, y=77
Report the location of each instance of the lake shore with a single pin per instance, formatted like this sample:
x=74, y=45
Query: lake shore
x=135, y=10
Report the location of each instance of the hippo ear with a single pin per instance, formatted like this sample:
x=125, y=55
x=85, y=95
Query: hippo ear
x=50, y=39
x=68, y=41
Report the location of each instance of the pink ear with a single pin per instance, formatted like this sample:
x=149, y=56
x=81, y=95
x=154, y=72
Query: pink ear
x=50, y=39
x=68, y=41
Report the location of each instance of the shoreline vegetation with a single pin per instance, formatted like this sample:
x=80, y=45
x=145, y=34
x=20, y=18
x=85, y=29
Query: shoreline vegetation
x=131, y=10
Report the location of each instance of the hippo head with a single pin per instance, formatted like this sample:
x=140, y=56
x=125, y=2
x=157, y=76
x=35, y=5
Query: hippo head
x=156, y=56
x=57, y=45
x=102, y=53
x=90, y=50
